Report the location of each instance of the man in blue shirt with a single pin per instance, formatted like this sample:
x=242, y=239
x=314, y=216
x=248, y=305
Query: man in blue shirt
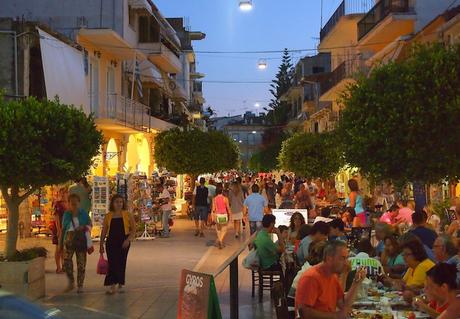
x=255, y=206
x=426, y=235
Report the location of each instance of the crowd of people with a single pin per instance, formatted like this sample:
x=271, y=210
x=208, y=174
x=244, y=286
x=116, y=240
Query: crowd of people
x=401, y=247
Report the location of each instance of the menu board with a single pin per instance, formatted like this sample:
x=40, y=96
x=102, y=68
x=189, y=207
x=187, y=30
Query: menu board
x=198, y=297
x=283, y=216
x=100, y=199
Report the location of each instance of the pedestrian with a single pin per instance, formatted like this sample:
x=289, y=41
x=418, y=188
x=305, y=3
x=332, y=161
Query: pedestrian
x=165, y=208
x=255, y=206
x=302, y=198
x=287, y=196
x=355, y=201
x=75, y=225
x=200, y=207
x=313, y=190
x=236, y=199
x=59, y=207
x=83, y=190
x=270, y=189
x=220, y=212
x=120, y=229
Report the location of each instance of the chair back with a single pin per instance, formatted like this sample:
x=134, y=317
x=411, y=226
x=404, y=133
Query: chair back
x=279, y=299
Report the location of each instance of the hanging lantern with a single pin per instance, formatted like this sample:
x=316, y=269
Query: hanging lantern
x=245, y=5
x=262, y=65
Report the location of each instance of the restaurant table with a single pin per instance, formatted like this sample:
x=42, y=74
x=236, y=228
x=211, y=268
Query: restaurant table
x=368, y=306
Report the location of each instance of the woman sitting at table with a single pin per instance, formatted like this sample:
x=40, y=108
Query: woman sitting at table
x=440, y=288
x=297, y=220
x=418, y=264
x=392, y=259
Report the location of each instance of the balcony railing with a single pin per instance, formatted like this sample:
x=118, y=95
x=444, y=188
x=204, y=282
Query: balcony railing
x=379, y=12
x=347, y=69
x=345, y=8
x=131, y=113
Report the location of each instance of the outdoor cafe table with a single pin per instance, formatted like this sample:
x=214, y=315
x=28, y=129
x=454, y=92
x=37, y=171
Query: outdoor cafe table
x=368, y=307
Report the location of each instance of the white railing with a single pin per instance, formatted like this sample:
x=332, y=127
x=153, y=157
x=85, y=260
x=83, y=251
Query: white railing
x=131, y=113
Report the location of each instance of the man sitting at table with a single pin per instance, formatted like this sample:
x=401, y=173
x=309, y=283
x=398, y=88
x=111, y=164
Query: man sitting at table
x=426, y=235
x=319, y=232
x=319, y=293
x=337, y=230
x=268, y=252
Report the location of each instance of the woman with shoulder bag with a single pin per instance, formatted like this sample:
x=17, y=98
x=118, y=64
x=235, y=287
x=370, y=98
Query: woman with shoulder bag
x=220, y=214
x=120, y=229
x=74, y=240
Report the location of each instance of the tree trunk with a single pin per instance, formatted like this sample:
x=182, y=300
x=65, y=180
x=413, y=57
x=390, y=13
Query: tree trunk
x=12, y=231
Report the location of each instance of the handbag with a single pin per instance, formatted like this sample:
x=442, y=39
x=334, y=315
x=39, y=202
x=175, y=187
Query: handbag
x=222, y=218
x=102, y=266
x=251, y=261
x=79, y=239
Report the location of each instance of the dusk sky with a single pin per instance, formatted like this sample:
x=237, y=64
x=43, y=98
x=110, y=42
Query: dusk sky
x=271, y=25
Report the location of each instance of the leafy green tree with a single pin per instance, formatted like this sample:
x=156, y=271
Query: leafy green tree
x=403, y=122
x=277, y=110
x=266, y=160
x=312, y=155
x=194, y=152
x=41, y=143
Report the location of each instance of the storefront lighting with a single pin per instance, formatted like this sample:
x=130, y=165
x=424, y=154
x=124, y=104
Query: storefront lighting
x=246, y=5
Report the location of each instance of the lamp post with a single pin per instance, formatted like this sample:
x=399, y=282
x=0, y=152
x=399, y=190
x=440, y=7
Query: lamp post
x=246, y=5
x=262, y=64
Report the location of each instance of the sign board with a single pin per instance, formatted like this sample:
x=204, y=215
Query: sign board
x=197, y=297
x=283, y=216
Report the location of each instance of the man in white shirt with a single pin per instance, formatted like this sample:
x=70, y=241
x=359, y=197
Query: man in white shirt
x=166, y=208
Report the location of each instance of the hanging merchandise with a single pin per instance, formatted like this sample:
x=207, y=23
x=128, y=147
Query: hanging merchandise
x=122, y=185
x=100, y=200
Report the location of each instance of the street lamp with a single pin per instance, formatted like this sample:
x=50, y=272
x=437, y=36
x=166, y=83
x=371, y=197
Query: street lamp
x=245, y=5
x=257, y=104
x=262, y=65
x=254, y=132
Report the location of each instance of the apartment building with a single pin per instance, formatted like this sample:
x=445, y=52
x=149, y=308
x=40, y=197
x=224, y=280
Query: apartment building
x=120, y=60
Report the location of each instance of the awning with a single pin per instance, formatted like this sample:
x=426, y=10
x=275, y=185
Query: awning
x=149, y=72
x=63, y=68
x=140, y=4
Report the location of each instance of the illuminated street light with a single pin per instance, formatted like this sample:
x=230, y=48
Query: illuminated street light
x=257, y=104
x=254, y=132
x=245, y=5
x=262, y=65
x=241, y=141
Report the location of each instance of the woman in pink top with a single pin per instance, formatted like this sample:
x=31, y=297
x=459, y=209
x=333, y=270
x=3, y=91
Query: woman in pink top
x=220, y=215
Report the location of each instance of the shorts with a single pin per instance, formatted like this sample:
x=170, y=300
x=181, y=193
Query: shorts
x=254, y=226
x=201, y=213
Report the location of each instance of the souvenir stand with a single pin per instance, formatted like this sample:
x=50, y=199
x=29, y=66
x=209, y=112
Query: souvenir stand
x=140, y=199
x=3, y=215
x=100, y=204
x=41, y=210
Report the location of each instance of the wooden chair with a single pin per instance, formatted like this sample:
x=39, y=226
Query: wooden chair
x=267, y=278
x=279, y=300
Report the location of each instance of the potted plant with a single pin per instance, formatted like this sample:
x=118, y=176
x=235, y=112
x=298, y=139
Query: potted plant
x=24, y=272
x=41, y=143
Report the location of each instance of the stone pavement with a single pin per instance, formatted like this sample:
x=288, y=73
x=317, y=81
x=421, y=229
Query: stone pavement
x=152, y=280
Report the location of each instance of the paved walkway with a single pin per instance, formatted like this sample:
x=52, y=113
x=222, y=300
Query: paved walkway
x=152, y=277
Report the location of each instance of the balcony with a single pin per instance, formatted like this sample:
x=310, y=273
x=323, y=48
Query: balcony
x=379, y=12
x=347, y=7
x=338, y=79
x=124, y=114
x=163, y=57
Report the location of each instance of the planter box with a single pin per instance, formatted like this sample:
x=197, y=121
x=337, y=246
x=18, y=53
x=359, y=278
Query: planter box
x=25, y=278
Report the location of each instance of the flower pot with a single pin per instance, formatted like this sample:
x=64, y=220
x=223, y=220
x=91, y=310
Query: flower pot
x=25, y=278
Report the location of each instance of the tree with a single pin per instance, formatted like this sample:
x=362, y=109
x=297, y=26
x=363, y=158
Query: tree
x=312, y=155
x=403, y=122
x=41, y=143
x=277, y=110
x=194, y=152
x=266, y=160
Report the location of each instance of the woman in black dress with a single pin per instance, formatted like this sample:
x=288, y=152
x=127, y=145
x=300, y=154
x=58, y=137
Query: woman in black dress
x=119, y=228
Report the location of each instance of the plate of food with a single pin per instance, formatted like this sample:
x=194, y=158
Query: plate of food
x=375, y=314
